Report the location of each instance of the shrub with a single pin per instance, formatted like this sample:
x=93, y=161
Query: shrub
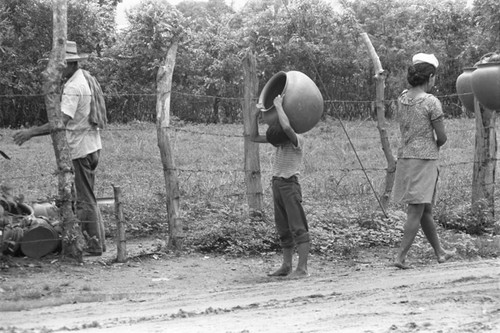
x=234, y=234
x=474, y=219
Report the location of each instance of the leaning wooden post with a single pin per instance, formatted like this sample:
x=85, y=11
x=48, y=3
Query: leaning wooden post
x=121, y=240
x=380, y=76
x=251, y=159
x=163, y=91
x=483, y=175
x=73, y=241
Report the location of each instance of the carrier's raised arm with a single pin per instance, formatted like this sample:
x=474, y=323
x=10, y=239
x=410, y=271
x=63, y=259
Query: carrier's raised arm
x=284, y=121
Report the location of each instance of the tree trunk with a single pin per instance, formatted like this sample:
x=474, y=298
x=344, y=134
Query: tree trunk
x=163, y=90
x=252, y=161
x=483, y=175
x=380, y=76
x=73, y=241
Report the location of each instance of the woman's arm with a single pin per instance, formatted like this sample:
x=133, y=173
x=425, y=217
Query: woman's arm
x=438, y=126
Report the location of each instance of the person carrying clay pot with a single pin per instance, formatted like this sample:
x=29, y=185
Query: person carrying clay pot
x=289, y=215
x=84, y=112
x=421, y=124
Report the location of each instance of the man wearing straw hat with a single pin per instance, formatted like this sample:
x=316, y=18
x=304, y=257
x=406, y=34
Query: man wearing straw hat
x=84, y=112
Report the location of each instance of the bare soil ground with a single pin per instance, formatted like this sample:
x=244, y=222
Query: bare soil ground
x=157, y=292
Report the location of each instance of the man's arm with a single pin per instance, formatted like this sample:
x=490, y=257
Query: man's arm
x=21, y=137
x=284, y=121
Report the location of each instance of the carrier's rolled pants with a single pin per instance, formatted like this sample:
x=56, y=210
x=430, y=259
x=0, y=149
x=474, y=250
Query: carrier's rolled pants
x=87, y=210
x=290, y=219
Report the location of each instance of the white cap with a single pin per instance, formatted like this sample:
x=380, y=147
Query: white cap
x=424, y=57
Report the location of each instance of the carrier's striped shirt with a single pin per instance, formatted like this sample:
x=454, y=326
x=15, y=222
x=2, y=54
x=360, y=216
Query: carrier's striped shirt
x=288, y=159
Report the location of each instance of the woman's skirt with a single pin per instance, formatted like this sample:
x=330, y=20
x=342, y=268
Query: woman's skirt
x=415, y=181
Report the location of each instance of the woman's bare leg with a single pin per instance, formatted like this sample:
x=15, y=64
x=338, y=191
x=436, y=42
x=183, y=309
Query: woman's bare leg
x=413, y=217
x=429, y=229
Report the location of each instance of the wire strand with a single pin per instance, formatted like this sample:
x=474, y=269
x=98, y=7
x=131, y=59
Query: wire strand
x=318, y=75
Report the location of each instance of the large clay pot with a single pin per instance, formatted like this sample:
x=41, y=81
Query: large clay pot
x=464, y=88
x=302, y=100
x=485, y=81
x=40, y=239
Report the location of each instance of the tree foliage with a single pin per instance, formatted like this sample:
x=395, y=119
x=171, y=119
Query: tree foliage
x=317, y=37
x=486, y=17
x=26, y=37
x=144, y=43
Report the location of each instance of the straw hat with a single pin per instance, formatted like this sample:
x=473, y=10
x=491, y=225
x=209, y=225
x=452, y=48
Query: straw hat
x=72, y=53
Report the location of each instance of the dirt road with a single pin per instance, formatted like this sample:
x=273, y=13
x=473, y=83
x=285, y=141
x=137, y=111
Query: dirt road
x=196, y=293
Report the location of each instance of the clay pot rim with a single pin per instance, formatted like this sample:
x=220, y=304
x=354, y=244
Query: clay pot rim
x=487, y=64
x=271, y=80
x=27, y=209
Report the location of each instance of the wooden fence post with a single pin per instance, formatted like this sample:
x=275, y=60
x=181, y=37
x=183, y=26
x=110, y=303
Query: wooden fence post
x=485, y=152
x=163, y=90
x=73, y=241
x=121, y=240
x=251, y=159
x=380, y=76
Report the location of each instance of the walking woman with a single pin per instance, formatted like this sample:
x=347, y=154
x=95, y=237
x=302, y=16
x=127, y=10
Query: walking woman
x=420, y=119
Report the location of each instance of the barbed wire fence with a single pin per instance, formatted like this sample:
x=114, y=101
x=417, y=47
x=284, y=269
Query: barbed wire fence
x=18, y=110
x=208, y=159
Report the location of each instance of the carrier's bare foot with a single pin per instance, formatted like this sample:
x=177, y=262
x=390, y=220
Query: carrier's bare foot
x=445, y=257
x=298, y=274
x=284, y=270
x=401, y=265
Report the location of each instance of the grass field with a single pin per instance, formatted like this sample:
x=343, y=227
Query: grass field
x=341, y=207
